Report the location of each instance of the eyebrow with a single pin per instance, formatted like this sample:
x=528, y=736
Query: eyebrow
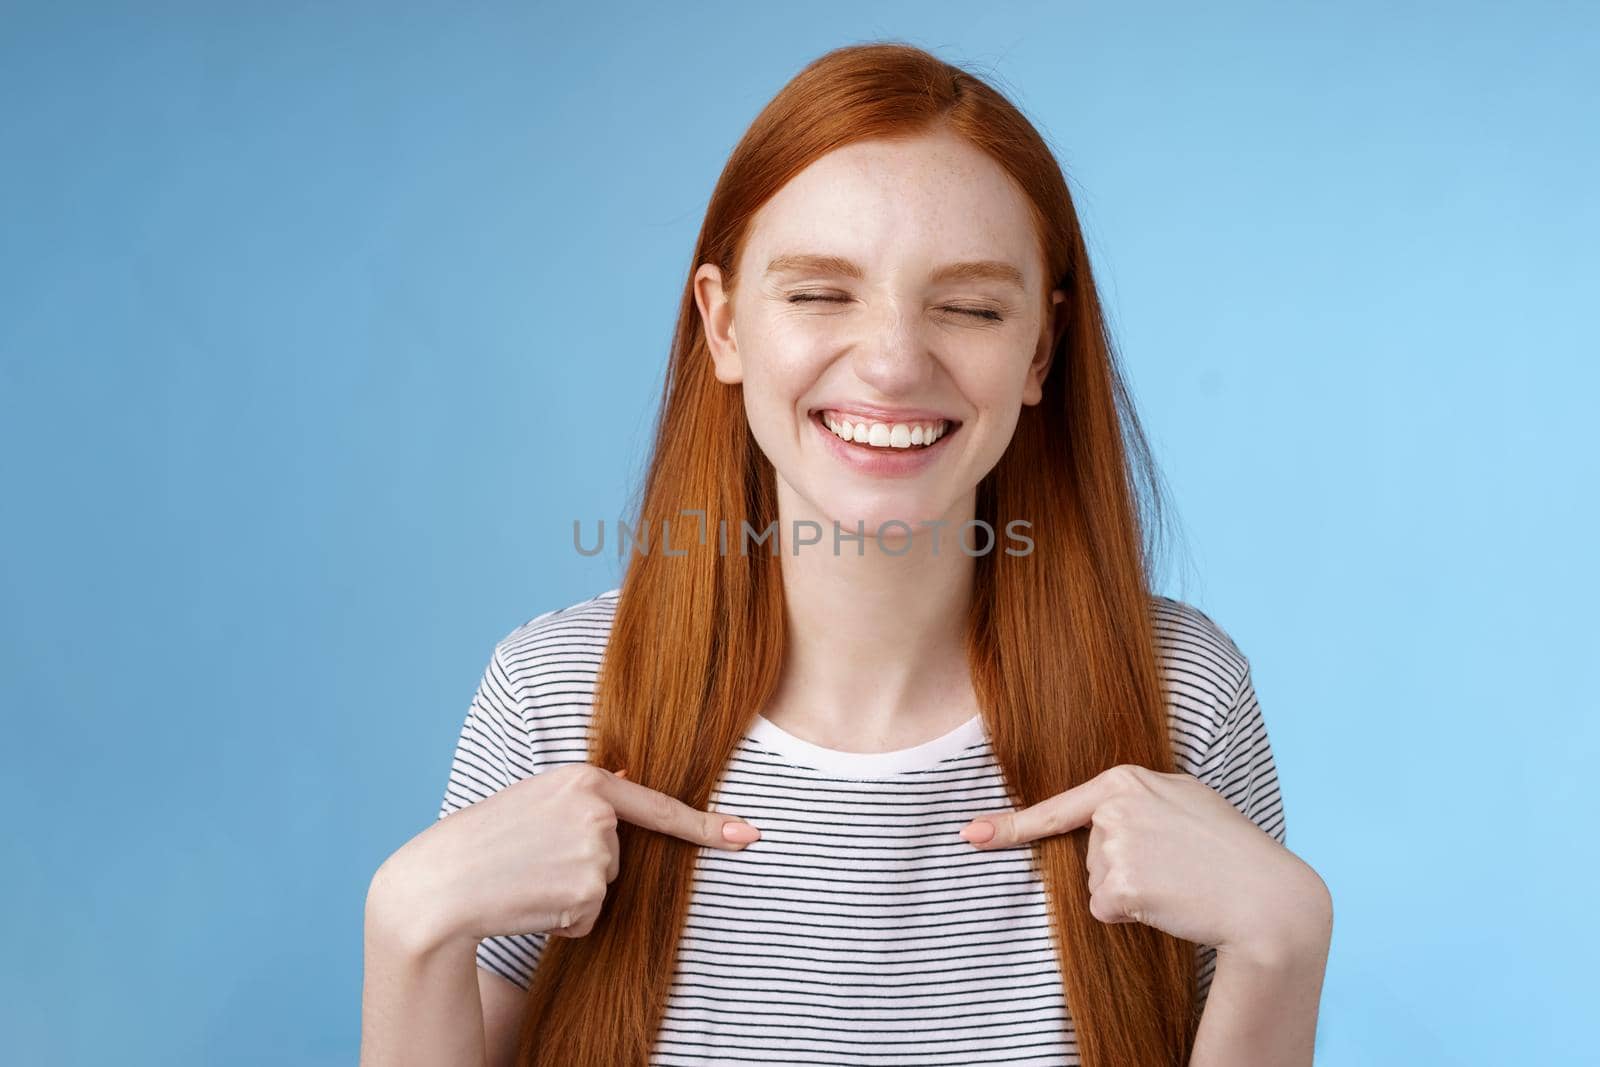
x=975, y=270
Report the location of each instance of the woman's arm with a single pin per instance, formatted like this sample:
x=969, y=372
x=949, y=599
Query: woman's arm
x=1262, y=1007
x=537, y=855
x=419, y=1000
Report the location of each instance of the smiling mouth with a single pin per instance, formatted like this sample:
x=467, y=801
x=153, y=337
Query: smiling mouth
x=875, y=436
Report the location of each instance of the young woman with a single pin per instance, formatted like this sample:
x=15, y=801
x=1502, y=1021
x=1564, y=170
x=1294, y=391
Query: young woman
x=884, y=750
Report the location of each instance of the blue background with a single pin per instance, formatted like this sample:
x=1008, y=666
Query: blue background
x=321, y=325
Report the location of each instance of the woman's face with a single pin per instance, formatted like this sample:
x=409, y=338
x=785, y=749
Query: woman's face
x=893, y=291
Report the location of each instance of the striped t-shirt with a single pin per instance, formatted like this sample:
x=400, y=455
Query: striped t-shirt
x=860, y=928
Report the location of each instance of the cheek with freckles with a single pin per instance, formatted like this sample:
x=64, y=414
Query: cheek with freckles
x=781, y=368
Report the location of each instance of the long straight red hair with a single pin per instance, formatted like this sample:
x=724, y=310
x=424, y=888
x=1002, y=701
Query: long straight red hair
x=1060, y=641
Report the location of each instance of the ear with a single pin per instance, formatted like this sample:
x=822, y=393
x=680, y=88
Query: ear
x=1033, y=388
x=716, y=319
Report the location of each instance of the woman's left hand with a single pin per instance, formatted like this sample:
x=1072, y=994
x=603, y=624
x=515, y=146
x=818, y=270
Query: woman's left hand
x=1168, y=851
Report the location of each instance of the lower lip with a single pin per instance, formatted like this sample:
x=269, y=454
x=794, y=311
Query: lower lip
x=881, y=462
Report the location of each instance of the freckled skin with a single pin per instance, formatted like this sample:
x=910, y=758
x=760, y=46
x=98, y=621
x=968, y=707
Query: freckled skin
x=894, y=337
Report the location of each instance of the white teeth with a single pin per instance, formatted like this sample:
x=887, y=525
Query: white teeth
x=885, y=434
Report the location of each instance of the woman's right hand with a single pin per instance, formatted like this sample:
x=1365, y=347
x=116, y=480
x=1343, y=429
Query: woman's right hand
x=538, y=855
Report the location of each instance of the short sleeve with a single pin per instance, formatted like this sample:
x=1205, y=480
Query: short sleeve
x=492, y=751
x=1239, y=766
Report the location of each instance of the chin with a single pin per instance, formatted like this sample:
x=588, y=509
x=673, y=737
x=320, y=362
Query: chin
x=872, y=511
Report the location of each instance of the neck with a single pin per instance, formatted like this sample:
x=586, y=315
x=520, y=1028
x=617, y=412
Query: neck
x=875, y=657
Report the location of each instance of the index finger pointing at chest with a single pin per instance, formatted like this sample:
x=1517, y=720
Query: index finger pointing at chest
x=655, y=810
x=1054, y=815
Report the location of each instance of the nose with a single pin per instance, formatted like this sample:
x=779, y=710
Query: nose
x=892, y=355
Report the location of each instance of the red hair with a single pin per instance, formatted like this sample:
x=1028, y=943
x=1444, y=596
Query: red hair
x=1060, y=641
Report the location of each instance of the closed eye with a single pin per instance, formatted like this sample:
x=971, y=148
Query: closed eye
x=987, y=314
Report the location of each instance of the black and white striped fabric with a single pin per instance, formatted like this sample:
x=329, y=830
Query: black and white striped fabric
x=860, y=928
